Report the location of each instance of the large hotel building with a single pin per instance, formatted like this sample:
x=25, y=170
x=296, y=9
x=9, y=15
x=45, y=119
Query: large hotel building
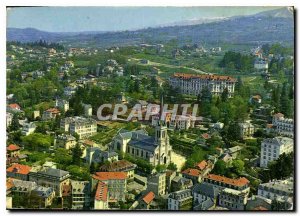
x=193, y=84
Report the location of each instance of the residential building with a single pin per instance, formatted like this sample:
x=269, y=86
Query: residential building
x=120, y=166
x=233, y=199
x=18, y=171
x=156, y=150
x=246, y=130
x=275, y=189
x=221, y=182
x=46, y=195
x=9, y=117
x=116, y=183
x=205, y=196
x=157, y=184
x=28, y=128
x=180, y=200
x=64, y=141
x=67, y=196
x=13, y=150
x=96, y=155
x=193, y=174
x=271, y=148
x=146, y=201
x=179, y=122
x=50, y=177
x=261, y=65
x=283, y=126
x=80, y=194
x=193, y=84
x=180, y=183
x=62, y=104
x=88, y=110
x=84, y=127
x=101, y=197
x=50, y=113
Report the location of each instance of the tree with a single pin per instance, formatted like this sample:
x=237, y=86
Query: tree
x=225, y=95
x=62, y=157
x=172, y=166
x=220, y=168
x=238, y=166
x=37, y=141
x=76, y=154
x=160, y=168
x=233, y=132
x=15, y=125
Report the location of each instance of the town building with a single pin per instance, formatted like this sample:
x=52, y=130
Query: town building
x=193, y=84
x=50, y=114
x=180, y=183
x=157, y=184
x=276, y=189
x=18, y=171
x=88, y=110
x=271, y=148
x=9, y=117
x=116, y=183
x=205, y=196
x=120, y=166
x=179, y=122
x=283, y=126
x=62, y=104
x=180, y=200
x=54, y=178
x=96, y=155
x=101, y=197
x=84, y=127
x=80, y=194
x=13, y=150
x=28, y=128
x=45, y=194
x=156, y=150
x=221, y=182
x=146, y=202
x=64, y=141
x=233, y=199
x=246, y=130
x=261, y=65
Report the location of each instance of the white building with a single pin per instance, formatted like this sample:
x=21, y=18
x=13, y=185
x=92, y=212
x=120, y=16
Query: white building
x=80, y=194
x=233, y=199
x=283, y=126
x=84, y=127
x=101, y=196
x=261, y=65
x=180, y=122
x=180, y=200
x=282, y=189
x=272, y=148
x=193, y=84
x=28, y=128
x=9, y=117
x=62, y=104
x=246, y=130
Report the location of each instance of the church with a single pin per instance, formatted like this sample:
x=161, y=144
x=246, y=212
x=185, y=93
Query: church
x=156, y=150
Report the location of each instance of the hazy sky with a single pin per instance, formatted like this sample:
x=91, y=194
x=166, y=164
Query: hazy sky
x=74, y=19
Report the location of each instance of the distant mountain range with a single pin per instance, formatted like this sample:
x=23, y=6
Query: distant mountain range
x=270, y=26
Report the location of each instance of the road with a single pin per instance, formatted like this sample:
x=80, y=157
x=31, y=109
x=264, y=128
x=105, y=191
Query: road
x=168, y=65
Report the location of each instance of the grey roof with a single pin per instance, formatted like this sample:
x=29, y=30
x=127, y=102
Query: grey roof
x=55, y=172
x=43, y=191
x=181, y=180
x=278, y=140
x=144, y=143
x=20, y=185
x=206, y=189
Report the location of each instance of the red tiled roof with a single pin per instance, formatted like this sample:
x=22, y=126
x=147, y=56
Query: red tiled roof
x=202, y=165
x=103, y=176
x=53, y=110
x=204, y=76
x=192, y=172
x=256, y=97
x=19, y=168
x=12, y=147
x=269, y=125
x=14, y=106
x=205, y=136
x=101, y=192
x=237, y=182
x=149, y=197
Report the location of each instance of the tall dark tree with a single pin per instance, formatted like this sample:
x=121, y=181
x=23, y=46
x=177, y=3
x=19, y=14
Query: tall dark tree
x=15, y=125
x=76, y=154
x=225, y=95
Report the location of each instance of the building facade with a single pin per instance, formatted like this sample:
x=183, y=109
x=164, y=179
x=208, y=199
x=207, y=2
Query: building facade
x=193, y=84
x=180, y=200
x=283, y=126
x=273, y=147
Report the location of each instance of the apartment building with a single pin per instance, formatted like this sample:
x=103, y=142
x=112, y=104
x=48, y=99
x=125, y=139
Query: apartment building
x=101, y=196
x=80, y=194
x=233, y=199
x=283, y=126
x=62, y=104
x=116, y=183
x=193, y=84
x=180, y=200
x=273, y=147
x=51, y=177
x=64, y=141
x=120, y=166
x=157, y=184
x=246, y=130
x=84, y=127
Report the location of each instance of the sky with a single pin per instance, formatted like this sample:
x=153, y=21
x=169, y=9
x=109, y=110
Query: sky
x=77, y=19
